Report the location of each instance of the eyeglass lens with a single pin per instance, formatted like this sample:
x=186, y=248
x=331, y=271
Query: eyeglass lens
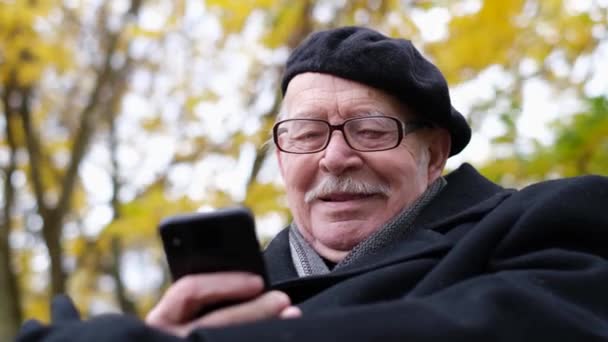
x=365, y=134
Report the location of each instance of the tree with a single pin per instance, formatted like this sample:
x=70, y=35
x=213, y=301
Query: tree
x=552, y=43
x=28, y=54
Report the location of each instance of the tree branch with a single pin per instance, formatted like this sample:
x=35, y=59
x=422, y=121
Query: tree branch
x=126, y=305
x=303, y=30
x=33, y=149
x=105, y=77
x=83, y=134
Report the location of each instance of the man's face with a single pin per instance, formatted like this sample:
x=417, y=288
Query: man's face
x=333, y=223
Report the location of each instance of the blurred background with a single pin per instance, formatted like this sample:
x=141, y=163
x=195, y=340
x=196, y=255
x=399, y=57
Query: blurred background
x=115, y=114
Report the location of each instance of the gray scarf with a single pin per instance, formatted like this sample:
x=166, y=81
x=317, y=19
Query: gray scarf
x=307, y=262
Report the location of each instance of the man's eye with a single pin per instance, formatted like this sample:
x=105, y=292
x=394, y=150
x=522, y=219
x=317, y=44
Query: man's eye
x=371, y=134
x=307, y=135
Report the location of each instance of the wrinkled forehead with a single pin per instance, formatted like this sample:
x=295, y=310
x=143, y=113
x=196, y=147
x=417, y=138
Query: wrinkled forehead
x=322, y=95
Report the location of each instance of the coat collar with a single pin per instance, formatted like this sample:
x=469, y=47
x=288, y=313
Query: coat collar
x=466, y=196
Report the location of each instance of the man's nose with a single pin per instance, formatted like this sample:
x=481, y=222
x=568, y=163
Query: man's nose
x=338, y=157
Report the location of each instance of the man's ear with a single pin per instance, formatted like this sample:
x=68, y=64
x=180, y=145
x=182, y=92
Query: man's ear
x=439, y=145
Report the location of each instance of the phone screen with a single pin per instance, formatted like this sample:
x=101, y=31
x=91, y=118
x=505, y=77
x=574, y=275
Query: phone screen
x=222, y=240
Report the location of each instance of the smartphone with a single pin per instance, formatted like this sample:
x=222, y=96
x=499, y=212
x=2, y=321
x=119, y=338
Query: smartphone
x=222, y=240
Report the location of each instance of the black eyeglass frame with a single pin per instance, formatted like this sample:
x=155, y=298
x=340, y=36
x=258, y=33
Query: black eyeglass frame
x=406, y=128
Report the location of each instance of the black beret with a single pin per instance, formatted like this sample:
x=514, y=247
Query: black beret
x=393, y=65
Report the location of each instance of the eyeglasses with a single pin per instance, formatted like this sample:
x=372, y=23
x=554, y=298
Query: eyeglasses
x=365, y=134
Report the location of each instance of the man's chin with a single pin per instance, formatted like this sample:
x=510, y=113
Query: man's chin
x=342, y=235
x=334, y=249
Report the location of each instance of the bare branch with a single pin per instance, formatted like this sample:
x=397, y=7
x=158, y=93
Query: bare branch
x=303, y=30
x=126, y=305
x=33, y=147
x=106, y=77
x=101, y=92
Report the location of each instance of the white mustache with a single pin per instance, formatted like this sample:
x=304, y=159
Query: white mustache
x=347, y=184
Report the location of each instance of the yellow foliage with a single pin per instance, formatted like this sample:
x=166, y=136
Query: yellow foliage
x=139, y=219
x=504, y=171
x=248, y=4
x=82, y=286
x=152, y=123
x=36, y=306
x=284, y=24
x=580, y=147
x=76, y=246
x=25, y=52
x=136, y=31
x=576, y=34
x=34, y=303
x=179, y=9
x=503, y=33
x=236, y=141
x=264, y=134
x=478, y=40
x=263, y=198
x=206, y=96
x=218, y=199
x=234, y=14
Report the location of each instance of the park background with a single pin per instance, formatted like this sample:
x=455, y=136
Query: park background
x=115, y=114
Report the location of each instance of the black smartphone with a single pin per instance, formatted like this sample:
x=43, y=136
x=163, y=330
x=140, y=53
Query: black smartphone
x=221, y=240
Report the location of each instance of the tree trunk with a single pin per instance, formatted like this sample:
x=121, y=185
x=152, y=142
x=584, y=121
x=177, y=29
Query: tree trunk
x=10, y=311
x=10, y=305
x=52, y=237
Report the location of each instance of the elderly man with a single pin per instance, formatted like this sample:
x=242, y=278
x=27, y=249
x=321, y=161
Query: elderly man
x=383, y=247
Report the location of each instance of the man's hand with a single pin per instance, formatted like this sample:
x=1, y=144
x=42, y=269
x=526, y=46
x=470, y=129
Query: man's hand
x=176, y=311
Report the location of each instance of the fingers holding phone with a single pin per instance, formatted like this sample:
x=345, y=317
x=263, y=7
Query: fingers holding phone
x=186, y=297
x=271, y=304
x=176, y=312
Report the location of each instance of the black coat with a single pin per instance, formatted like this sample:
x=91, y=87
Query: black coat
x=489, y=264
